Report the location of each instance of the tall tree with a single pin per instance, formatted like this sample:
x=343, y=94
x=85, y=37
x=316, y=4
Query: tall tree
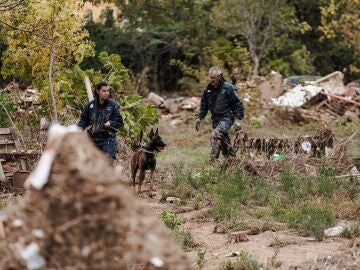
x=42, y=37
x=154, y=34
x=340, y=21
x=259, y=22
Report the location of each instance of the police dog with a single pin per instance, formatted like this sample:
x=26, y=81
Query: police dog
x=144, y=159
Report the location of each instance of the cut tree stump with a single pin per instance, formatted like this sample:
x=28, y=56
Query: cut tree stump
x=237, y=237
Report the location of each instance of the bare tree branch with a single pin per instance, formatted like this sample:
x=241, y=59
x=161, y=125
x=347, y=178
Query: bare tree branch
x=7, y=5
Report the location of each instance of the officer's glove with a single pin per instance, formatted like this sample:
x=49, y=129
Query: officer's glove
x=237, y=124
x=197, y=124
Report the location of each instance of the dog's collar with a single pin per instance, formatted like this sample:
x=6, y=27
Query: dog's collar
x=147, y=151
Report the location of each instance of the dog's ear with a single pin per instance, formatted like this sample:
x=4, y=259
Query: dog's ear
x=157, y=131
x=151, y=133
x=141, y=136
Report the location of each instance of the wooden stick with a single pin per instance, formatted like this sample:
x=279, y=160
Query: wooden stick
x=348, y=175
x=12, y=123
x=88, y=88
x=2, y=230
x=341, y=98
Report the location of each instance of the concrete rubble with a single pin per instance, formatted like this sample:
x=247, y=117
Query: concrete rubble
x=327, y=95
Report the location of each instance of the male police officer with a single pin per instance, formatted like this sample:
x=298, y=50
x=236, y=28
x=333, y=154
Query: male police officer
x=221, y=98
x=103, y=116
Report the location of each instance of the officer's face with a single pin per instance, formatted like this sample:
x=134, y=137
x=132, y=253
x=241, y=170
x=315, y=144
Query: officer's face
x=104, y=92
x=214, y=79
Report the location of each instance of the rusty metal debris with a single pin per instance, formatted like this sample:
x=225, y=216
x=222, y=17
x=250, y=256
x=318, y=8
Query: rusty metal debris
x=14, y=161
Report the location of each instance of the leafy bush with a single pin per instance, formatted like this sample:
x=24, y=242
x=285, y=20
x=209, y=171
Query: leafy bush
x=10, y=105
x=327, y=183
x=243, y=262
x=171, y=220
x=185, y=239
x=310, y=220
x=137, y=114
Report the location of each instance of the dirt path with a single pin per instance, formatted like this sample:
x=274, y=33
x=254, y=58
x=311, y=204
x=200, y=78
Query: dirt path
x=280, y=249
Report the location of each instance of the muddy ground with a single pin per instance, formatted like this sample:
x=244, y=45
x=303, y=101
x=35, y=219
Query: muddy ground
x=281, y=248
x=271, y=243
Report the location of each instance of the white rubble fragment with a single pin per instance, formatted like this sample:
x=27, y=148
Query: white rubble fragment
x=233, y=254
x=85, y=251
x=334, y=231
x=17, y=223
x=39, y=177
x=157, y=262
x=38, y=233
x=30, y=254
x=354, y=171
x=172, y=200
x=297, y=96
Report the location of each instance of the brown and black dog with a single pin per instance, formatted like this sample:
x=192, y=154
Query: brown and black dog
x=144, y=159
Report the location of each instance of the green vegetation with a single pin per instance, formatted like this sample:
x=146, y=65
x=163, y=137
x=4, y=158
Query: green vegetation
x=7, y=108
x=169, y=50
x=171, y=220
x=183, y=237
x=309, y=219
x=242, y=202
x=243, y=262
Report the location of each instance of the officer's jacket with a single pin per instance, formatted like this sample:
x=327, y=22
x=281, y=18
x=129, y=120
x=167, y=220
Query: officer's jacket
x=96, y=115
x=221, y=101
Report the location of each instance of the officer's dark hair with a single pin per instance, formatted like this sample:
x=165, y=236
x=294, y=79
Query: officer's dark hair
x=98, y=87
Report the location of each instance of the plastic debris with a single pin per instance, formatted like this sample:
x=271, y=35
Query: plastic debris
x=30, y=254
x=157, y=262
x=278, y=157
x=306, y=146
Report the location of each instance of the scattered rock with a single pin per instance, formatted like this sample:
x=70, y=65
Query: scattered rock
x=233, y=254
x=334, y=231
x=173, y=200
x=155, y=99
x=237, y=237
x=354, y=171
x=219, y=229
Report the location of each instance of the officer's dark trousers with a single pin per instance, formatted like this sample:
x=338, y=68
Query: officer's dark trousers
x=107, y=144
x=220, y=139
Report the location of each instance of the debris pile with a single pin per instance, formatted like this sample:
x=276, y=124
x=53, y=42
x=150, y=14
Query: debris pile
x=316, y=145
x=15, y=161
x=25, y=95
x=174, y=105
x=83, y=216
x=302, y=154
x=327, y=95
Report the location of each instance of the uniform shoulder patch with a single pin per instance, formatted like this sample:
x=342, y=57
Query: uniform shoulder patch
x=91, y=106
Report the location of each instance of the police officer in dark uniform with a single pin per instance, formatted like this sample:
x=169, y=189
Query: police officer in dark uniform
x=221, y=98
x=103, y=116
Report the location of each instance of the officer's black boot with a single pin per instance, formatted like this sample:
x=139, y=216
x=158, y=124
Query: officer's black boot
x=231, y=151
